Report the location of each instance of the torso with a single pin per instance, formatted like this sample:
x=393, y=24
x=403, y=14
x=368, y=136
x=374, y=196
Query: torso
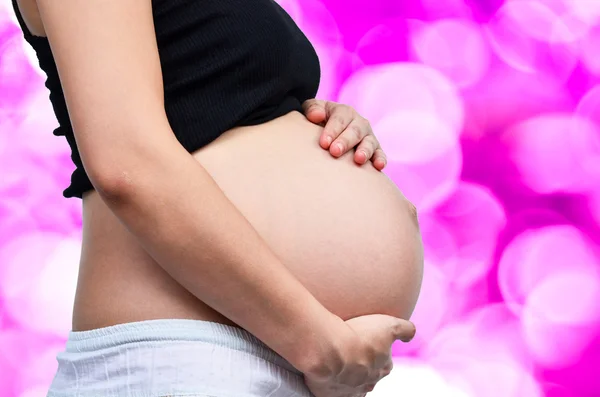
x=344, y=230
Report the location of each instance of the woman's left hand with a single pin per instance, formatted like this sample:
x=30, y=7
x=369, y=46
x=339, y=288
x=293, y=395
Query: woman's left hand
x=344, y=129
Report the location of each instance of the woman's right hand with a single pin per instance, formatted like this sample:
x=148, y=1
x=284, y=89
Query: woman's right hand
x=363, y=356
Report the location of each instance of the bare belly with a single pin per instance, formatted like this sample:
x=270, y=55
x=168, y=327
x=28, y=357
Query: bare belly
x=344, y=230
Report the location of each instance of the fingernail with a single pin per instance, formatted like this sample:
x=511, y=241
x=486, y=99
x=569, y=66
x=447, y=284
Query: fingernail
x=341, y=147
x=328, y=139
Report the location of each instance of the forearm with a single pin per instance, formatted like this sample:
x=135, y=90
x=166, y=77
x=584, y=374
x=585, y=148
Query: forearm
x=170, y=203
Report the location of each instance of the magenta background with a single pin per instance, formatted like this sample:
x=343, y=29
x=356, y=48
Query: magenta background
x=489, y=112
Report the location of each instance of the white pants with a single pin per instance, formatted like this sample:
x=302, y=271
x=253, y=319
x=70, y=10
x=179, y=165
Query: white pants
x=160, y=358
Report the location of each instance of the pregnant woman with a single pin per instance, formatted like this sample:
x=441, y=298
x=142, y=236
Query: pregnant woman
x=224, y=252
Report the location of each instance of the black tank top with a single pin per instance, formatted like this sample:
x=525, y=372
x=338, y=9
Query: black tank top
x=225, y=63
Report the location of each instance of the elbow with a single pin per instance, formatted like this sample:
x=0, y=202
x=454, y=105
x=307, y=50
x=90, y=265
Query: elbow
x=111, y=183
x=120, y=172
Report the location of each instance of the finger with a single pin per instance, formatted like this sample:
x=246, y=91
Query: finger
x=366, y=149
x=351, y=136
x=389, y=366
x=315, y=110
x=339, y=118
x=369, y=388
x=313, y=104
x=403, y=330
x=379, y=159
x=387, y=369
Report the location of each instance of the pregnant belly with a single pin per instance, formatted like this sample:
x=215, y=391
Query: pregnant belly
x=344, y=230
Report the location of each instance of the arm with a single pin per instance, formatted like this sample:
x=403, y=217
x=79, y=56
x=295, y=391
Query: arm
x=107, y=58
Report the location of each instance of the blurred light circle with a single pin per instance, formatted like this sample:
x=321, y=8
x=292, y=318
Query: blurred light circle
x=16, y=218
x=561, y=317
x=415, y=379
x=15, y=214
x=17, y=165
x=431, y=308
x=535, y=255
x=6, y=126
x=320, y=27
x=485, y=342
x=39, y=279
x=396, y=133
x=556, y=390
x=491, y=331
x=32, y=354
x=426, y=185
x=440, y=246
x=35, y=171
x=585, y=10
x=22, y=258
x=594, y=205
x=507, y=96
x=35, y=391
x=35, y=129
x=539, y=20
x=454, y=47
x=8, y=369
x=529, y=37
x=18, y=78
x=453, y=339
x=385, y=42
x=567, y=298
x=436, y=9
x=8, y=19
x=380, y=90
x=573, y=17
x=475, y=218
x=14, y=164
x=318, y=24
x=41, y=368
x=33, y=183
x=330, y=59
x=426, y=166
x=556, y=152
x=460, y=234
x=4, y=13
x=590, y=46
x=509, y=378
x=589, y=105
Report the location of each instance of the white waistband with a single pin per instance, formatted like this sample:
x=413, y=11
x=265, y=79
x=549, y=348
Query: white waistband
x=172, y=358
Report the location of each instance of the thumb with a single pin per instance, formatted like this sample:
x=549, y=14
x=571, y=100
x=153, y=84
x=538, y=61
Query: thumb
x=314, y=110
x=403, y=330
x=392, y=327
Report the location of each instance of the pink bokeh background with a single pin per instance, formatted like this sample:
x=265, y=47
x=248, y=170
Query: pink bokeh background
x=489, y=112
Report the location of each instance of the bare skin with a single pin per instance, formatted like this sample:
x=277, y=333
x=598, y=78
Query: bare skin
x=344, y=230
x=339, y=237
x=347, y=233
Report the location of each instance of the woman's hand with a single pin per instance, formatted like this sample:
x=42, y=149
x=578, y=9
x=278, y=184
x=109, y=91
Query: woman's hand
x=363, y=356
x=344, y=129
